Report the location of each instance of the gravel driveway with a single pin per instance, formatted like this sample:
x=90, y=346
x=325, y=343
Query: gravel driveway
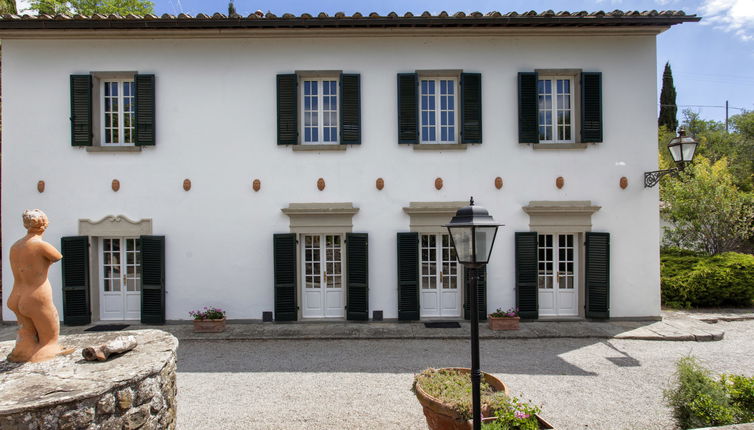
x=364, y=384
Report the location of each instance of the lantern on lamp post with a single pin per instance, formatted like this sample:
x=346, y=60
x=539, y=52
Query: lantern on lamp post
x=472, y=233
x=682, y=148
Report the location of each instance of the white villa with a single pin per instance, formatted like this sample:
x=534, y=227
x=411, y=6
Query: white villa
x=305, y=165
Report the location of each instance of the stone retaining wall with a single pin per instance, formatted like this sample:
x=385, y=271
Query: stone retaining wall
x=144, y=401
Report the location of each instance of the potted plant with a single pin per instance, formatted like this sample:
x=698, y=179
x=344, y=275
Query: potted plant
x=208, y=320
x=508, y=320
x=445, y=396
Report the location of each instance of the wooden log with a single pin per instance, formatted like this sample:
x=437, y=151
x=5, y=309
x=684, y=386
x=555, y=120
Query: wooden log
x=118, y=345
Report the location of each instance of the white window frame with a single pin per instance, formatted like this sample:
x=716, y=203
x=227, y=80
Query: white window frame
x=438, y=126
x=320, y=109
x=121, y=113
x=555, y=108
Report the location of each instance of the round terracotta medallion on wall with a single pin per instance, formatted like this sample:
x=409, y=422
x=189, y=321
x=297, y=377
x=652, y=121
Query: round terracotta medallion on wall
x=498, y=182
x=380, y=184
x=438, y=183
x=320, y=184
x=186, y=184
x=116, y=185
x=256, y=185
x=624, y=182
x=559, y=182
x=41, y=186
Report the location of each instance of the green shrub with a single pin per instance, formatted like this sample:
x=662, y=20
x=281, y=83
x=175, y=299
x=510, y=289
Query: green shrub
x=698, y=400
x=692, y=280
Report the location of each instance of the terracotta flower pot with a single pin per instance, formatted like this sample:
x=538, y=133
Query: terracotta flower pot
x=209, y=326
x=503, y=323
x=542, y=423
x=440, y=416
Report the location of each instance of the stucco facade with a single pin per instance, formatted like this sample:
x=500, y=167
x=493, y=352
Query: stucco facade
x=216, y=125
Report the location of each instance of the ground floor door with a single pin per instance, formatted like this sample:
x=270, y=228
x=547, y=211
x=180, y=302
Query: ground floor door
x=558, y=275
x=440, y=278
x=323, y=295
x=120, y=282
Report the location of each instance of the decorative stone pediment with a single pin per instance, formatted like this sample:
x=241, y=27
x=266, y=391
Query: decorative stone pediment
x=429, y=217
x=321, y=217
x=560, y=216
x=115, y=225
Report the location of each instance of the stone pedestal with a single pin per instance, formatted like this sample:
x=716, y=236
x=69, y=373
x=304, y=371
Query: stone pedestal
x=135, y=390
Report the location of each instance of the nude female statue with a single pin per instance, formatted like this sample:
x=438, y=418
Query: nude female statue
x=31, y=297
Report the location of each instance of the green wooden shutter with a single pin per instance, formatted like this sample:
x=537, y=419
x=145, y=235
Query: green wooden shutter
x=76, y=308
x=408, y=108
x=81, y=110
x=526, y=275
x=145, y=110
x=591, y=107
x=152, y=250
x=287, y=88
x=284, y=252
x=471, y=108
x=357, y=278
x=528, y=108
x=597, y=275
x=350, y=109
x=481, y=293
x=408, y=276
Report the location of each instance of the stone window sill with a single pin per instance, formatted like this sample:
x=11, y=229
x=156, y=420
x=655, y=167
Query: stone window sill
x=440, y=147
x=549, y=146
x=318, y=148
x=113, y=149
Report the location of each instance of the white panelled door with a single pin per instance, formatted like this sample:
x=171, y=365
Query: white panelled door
x=120, y=272
x=558, y=277
x=440, y=278
x=322, y=289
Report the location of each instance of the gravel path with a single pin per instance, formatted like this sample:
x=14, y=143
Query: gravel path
x=357, y=384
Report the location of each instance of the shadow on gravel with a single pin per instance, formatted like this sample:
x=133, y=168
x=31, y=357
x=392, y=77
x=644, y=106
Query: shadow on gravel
x=531, y=357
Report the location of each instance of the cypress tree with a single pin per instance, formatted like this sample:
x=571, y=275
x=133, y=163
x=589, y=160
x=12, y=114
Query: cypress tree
x=668, y=108
x=231, y=9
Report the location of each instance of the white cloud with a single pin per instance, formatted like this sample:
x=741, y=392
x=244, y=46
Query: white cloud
x=736, y=16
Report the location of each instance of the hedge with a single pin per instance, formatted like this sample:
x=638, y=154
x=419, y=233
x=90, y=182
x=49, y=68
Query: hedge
x=690, y=279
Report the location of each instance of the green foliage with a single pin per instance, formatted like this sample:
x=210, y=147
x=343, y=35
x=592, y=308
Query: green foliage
x=8, y=6
x=741, y=391
x=737, y=146
x=708, y=213
x=668, y=109
x=515, y=415
x=453, y=388
x=693, y=280
x=700, y=401
x=90, y=7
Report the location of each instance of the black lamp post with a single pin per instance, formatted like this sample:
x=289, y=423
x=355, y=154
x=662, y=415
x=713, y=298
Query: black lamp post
x=682, y=148
x=472, y=233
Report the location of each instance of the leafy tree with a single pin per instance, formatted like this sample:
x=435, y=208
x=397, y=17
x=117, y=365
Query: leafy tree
x=90, y=7
x=8, y=6
x=707, y=211
x=668, y=108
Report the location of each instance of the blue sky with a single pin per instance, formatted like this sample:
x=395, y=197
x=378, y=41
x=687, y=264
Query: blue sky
x=712, y=61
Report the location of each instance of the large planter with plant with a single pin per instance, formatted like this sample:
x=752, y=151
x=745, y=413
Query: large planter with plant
x=508, y=320
x=445, y=396
x=209, y=320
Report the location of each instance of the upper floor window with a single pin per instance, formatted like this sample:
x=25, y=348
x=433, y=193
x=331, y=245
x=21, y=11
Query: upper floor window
x=320, y=110
x=442, y=107
x=555, y=99
x=438, y=110
x=113, y=111
x=560, y=106
x=118, y=110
